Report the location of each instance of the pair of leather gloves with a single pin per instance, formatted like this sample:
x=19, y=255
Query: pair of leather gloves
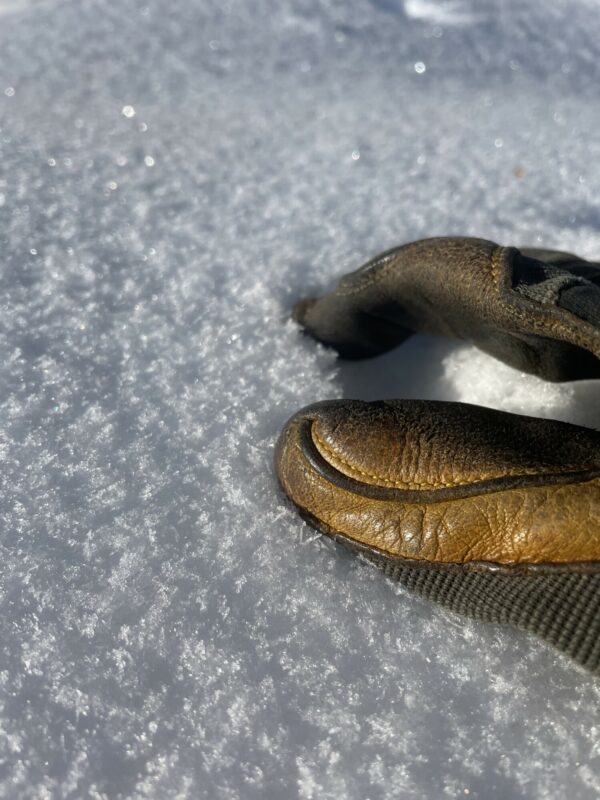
x=494, y=515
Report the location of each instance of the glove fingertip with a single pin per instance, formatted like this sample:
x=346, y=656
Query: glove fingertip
x=301, y=309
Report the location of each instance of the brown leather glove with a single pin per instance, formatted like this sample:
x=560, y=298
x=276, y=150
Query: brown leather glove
x=494, y=515
x=537, y=310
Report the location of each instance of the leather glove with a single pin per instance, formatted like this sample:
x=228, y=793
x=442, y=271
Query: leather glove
x=537, y=310
x=494, y=515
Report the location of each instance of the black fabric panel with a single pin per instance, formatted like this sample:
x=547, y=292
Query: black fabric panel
x=583, y=301
x=572, y=286
x=562, y=609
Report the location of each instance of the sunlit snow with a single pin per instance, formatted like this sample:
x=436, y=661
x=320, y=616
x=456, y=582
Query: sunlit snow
x=173, y=177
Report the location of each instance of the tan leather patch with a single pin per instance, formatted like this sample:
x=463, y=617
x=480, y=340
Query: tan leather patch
x=549, y=513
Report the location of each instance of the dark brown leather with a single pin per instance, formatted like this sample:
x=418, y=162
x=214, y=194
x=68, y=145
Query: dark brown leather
x=447, y=484
x=464, y=288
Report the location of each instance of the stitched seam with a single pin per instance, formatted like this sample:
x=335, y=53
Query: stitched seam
x=416, y=484
x=540, y=325
x=332, y=454
x=495, y=264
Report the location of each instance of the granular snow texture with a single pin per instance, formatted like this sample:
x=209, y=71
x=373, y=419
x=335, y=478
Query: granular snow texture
x=173, y=176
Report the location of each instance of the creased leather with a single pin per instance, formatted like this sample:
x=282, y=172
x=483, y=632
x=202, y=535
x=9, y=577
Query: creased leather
x=447, y=483
x=463, y=288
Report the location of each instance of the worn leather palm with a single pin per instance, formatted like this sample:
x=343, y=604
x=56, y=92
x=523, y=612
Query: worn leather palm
x=494, y=515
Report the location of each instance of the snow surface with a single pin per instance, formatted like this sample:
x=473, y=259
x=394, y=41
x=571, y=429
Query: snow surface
x=173, y=176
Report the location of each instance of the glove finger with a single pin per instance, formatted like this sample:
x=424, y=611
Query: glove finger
x=495, y=515
x=359, y=319
x=541, y=317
